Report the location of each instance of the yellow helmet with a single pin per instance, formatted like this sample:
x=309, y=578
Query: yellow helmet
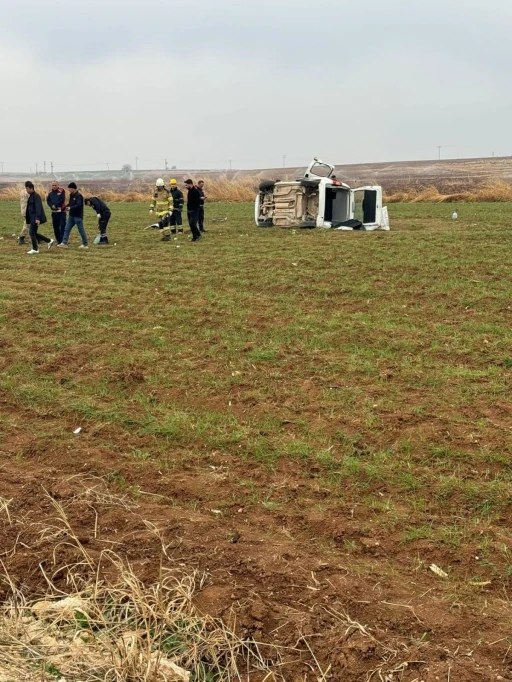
x=173, y=182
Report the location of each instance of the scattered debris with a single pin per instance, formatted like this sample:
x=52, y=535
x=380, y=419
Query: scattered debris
x=438, y=571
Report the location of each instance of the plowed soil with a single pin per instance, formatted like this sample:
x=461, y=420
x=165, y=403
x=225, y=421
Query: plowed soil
x=311, y=419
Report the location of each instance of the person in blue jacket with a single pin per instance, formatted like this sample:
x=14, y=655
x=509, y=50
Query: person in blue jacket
x=75, y=207
x=104, y=214
x=35, y=217
x=56, y=200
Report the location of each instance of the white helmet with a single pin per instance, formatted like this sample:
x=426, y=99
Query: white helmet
x=159, y=182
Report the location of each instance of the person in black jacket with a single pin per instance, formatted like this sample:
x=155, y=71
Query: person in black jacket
x=178, y=202
x=103, y=212
x=56, y=200
x=34, y=217
x=200, y=218
x=193, y=205
x=76, y=216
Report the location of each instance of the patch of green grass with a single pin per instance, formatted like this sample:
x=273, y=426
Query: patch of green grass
x=375, y=374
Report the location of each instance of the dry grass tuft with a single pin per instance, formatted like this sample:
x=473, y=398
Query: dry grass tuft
x=219, y=189
x=245, y=189
x=109, y=625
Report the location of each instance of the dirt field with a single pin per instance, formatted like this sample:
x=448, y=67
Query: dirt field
x=312, y=419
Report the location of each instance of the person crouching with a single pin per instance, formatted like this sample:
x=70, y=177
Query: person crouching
x=104, y=214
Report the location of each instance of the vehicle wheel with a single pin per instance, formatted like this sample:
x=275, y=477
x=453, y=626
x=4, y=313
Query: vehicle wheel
x=312, y=184
x=267, y=185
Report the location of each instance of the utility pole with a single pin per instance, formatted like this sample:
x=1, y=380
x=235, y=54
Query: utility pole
x=230, y=164
x=107, y=165
x=284, y=160
x=439, y=147
x=51, y=166
x=36, y=168
x=44, y=167
x=136, y=163
x=166, y=166
x=2, y=164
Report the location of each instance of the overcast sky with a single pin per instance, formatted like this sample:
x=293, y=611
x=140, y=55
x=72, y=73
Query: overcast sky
x=199, y=83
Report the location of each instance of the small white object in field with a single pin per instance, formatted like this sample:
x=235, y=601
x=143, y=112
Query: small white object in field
x=438, y=571
x=177, y=246
x=455, y=215
x=77, y=431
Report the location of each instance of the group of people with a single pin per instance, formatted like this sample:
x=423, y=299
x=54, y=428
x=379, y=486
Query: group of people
x=65, y=215
x=167, y=204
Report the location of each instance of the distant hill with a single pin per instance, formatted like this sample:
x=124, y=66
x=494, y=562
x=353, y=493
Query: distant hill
x=448, y=175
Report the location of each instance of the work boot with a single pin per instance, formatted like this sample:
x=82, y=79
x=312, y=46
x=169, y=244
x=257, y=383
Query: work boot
x=21, y=241
x=166, y=238
x=103, y=240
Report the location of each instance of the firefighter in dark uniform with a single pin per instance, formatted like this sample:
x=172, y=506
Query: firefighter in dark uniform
x=178, y=201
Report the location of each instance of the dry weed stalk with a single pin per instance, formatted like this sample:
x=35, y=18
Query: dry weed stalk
x=246, y=187
x=218, y=189
x=111, y=626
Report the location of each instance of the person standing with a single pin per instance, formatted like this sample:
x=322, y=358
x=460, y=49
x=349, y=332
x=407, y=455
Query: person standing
x=193, y=204
x=178, y=202
x=200, y=217
x=56, y=200
x=161, y=204
x=104, y=214
x=76, y=217
x=23, y=207
x=35, y=217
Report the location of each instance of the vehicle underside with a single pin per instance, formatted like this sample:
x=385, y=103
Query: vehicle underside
x=289, y=204
x=319, y=200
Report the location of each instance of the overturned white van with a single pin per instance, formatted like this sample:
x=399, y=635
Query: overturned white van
x=318, y=200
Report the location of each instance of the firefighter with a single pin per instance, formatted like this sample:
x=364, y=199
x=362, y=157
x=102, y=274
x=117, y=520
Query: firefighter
x=162, y=205
x=178, y=202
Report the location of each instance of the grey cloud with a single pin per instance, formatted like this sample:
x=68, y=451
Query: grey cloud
x=353, y=80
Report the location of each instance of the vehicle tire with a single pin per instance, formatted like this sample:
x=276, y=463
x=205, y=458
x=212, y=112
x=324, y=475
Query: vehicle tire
x=312, y=184
x=267, y=185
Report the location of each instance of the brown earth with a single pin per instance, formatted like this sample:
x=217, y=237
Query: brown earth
x=283, y=578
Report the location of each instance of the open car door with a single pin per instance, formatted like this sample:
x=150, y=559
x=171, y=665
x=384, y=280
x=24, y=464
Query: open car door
x=367, y=206
x=318, y=170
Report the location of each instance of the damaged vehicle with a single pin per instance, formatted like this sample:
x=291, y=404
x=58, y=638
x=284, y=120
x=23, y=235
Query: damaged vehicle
x=319, y=200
